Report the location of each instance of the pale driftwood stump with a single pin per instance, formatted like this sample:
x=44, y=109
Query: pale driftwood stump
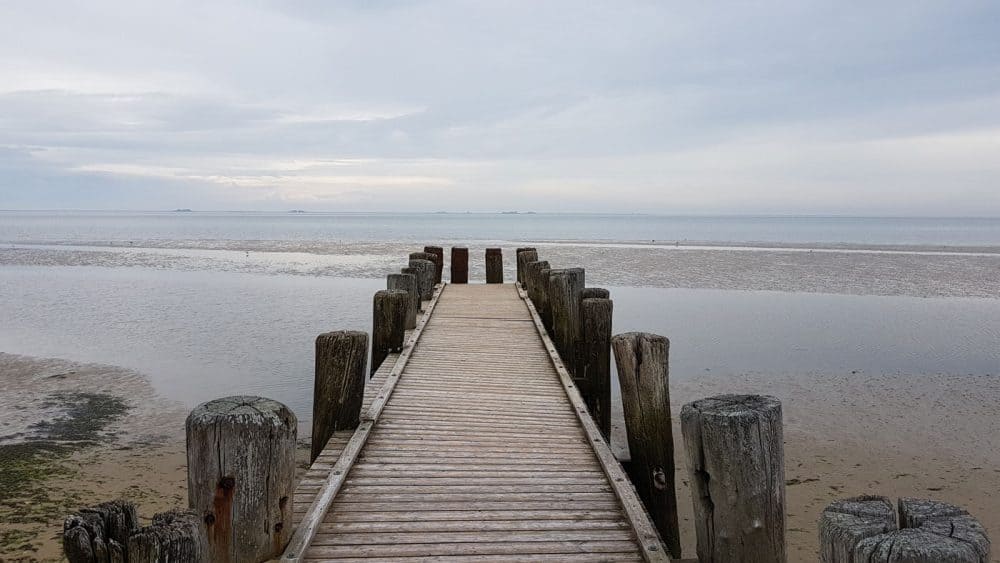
x=565, y=290
x=100, y=533
x=864, y=529
x=846, y=522
x=595, y=384
x=425, y=277
x=459, y=264
x=643, y=372
x=388, y=322
x=174, y=536
x=241, y=475
x=736, y=467
x=524, y=257
x=407, y=283
x=438, y=263
x=595, y=293
x=494, y=265
x=339, y=386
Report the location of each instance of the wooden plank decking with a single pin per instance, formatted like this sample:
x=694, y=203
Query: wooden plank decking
x=480, y=453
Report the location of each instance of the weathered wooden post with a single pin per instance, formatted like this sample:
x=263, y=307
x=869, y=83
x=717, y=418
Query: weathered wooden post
x=459, y=264
x=175, y=535
x=340, y=384
x=544, y=299
x=564, y=298
x=439, y=263
x=643, y=372
x=494, y=265
x=531, y=281
x=425, y=277
x=865, y=528
x=737, y=473
x=99, y=533
x=524, y=257
x=241, y=476
x=388, y=322
x=595, y=384
x=595, y=293
x=407, y=283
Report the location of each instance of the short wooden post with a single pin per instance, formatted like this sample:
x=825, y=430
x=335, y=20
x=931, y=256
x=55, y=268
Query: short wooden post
x=494, y=265
x=532, y=277
x=425, y=277
x=241, y=476
x=459, y=264
x=737, y=473
x=643, y=371
x=99, y=533
x=564, y=298
x=524, y=257
x=407, y=283
x=388, y=322
x=340, y=384
x=595, y=293
x=865, y=529
x=439, y=263
x=175, y=535
x=595, y=384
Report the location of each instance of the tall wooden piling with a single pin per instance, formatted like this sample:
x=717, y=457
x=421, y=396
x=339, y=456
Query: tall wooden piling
x=425, y=277
x=494, y=265
x=241, y=476
x=865, y=528
x=339, y=384
x=532, y=276
x=544, y=302
x=595, y=384
x=736, y=468
x=439, y=263
x=564, y=298
x=407, y=283
x=523, y=257
x=459, y=264
x=388, y=324
x=643, y=372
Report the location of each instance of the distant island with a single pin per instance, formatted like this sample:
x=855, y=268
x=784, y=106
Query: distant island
x=184, y=210
x=297, y=211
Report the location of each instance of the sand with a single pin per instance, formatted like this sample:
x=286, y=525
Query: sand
x=897, y=435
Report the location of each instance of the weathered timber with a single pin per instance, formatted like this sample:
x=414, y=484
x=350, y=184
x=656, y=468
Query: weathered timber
x=523, y=257
x=531, y=270
x=494, y=265
x=595, y=293
x=595, y=385
x=439, y=263
x=544, y=300
x=340, y=384
x=407, y=283
x=99, y=533
x=388, y=324
x=863, y=529
x=564, y=298
x=241, y=476
x=736, y=469
x=425, y=277
x=173, y=536
x=459, y=264
x=643, y=372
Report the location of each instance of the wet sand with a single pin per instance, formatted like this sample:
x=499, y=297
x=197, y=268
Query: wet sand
x=898, y=435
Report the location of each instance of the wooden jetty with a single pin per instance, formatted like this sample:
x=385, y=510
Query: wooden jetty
x=474, y=445
x=482, y=435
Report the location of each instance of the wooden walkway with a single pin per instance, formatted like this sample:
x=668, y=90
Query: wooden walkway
x=474, y=446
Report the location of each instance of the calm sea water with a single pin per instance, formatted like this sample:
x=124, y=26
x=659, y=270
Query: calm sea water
x=159, y=226
x=219, y=322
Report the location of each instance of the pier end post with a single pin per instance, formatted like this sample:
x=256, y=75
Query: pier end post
x=459, y=264
x=494, y=265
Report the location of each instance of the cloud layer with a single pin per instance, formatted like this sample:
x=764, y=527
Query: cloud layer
x=783, y=107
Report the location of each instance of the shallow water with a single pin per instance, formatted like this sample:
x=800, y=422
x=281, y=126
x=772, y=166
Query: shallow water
x=199, y=335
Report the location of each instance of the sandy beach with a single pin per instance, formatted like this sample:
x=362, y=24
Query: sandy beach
x=845, y=435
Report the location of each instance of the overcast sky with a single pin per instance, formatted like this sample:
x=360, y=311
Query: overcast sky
x=887, y=107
